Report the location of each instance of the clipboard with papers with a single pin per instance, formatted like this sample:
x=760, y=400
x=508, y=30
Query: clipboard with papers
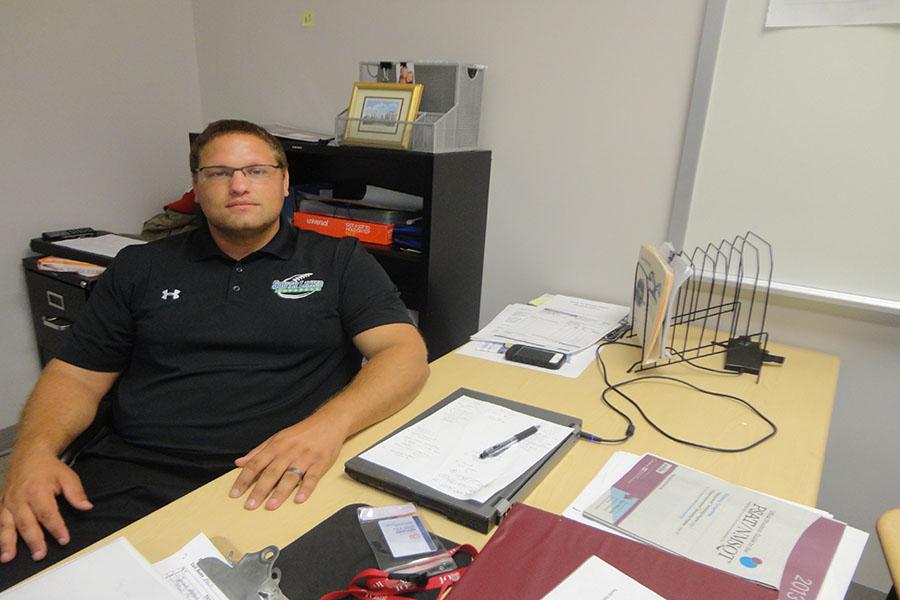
x=434, y=460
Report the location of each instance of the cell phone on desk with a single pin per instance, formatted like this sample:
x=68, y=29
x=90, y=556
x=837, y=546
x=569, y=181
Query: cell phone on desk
x=538, y=357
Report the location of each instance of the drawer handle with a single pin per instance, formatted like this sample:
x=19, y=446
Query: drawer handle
x=56, y=300
x=56, y=323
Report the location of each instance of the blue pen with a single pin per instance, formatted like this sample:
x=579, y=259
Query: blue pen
x=502, y=446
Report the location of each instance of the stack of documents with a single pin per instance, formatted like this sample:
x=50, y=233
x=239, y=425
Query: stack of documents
x=356, y=212
x=549, y=548
x=116, y=570
x=183, y=573
x=294, y=133
x=564, y=324
x=372, y=197
x=110, y=572
x=771, y=541
x=104, y=245
x=66, y=265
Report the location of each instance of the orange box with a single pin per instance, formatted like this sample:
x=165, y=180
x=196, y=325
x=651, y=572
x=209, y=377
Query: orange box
x=372, y=233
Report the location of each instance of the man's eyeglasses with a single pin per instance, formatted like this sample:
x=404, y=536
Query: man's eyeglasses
x=214, y=173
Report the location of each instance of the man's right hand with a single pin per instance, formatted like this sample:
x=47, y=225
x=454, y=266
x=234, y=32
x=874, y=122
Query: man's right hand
x=29, y=504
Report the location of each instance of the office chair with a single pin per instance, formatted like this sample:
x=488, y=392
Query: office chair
x=888, y=528
x=96, y=430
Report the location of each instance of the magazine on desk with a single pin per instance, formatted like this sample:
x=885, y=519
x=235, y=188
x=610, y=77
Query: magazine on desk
x=777, y=543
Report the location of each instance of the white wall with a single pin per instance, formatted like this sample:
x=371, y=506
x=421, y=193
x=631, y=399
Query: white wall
x=96, y=102
x=584, y=108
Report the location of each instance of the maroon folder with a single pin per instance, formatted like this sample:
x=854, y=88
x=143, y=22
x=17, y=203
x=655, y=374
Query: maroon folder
x=533, y=550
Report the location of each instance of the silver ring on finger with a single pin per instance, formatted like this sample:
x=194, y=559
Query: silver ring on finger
x=296, y=471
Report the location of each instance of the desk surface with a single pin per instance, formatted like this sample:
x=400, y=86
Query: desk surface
x=798, y=397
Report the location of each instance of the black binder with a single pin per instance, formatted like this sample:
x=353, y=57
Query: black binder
x=480, y=516
x=42, y=246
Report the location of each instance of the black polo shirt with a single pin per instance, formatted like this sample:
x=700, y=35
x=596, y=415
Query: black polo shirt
x=218, y=354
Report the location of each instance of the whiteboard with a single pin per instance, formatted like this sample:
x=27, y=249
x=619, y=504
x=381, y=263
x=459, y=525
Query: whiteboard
x=798, y=141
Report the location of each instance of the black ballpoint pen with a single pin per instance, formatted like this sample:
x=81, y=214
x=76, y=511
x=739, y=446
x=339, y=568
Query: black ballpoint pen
x=498, y=448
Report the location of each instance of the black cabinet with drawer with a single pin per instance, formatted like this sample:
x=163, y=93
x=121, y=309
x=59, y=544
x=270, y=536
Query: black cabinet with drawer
x=443, y=282
x=55, y=299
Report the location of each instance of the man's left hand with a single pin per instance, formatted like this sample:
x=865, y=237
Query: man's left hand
x=310, y=447
x=300, y=455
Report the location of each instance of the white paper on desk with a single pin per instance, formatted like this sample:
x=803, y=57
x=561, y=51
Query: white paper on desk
x=843, y=565
x=505, y=319
x=615, y=468
x=573, y=367
x=715, y=522
x=442, y=450
x=596, y=578
x=115, y=571
x=837, y=579
x=184, y=575
x=564, y=324
x=104, y=245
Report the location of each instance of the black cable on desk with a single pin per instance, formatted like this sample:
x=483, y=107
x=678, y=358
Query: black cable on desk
x=629, y=430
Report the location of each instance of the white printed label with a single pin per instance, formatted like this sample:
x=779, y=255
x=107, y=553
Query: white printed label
x=406, y=536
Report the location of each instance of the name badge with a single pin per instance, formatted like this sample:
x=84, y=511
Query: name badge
x=406, y=536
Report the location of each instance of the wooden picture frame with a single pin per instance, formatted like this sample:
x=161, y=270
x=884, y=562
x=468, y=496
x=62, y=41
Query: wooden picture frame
x=381, y=114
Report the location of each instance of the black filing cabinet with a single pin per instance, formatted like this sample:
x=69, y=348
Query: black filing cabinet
x=55, y=299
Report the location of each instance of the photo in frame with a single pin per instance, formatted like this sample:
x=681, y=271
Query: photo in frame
x=406, y=73
x=380, y=114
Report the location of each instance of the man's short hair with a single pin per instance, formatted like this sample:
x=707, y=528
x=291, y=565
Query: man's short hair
x=228, y=126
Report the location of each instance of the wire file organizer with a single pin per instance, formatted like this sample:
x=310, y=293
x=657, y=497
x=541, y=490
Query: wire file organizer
x=719, y=308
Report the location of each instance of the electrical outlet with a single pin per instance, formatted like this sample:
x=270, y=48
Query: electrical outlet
x=308, y=18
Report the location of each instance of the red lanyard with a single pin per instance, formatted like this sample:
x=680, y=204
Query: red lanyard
x=375, y=584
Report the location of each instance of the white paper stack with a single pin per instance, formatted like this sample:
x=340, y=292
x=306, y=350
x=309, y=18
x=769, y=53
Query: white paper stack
x=112, y=572
x=753, y=535
x=564, y=324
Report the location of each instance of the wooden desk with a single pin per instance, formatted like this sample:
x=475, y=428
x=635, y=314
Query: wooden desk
x=889, y=535
x=798, y=397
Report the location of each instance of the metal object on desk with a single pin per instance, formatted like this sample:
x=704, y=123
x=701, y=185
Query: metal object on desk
x=720, y=307
x=252, y=578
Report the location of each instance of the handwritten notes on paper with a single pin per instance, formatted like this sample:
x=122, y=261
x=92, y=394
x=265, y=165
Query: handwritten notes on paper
x=442, y=450
x=182, y=572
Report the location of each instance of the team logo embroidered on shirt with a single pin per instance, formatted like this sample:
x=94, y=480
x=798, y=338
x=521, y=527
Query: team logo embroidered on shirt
x=173, y=295
x=297, y=286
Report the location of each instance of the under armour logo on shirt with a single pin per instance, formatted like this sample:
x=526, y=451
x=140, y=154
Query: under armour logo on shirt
x=173, y=295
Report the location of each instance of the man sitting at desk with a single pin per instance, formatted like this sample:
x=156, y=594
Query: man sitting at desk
x=236, y=344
